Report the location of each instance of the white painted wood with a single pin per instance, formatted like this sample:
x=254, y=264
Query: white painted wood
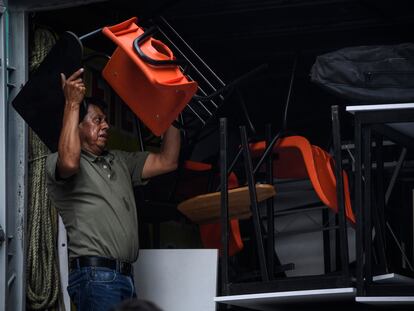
x=177, y=279
x=397, y=300
x=392, y=278
x=63, y=264
x=271, y=301
x=353, y=109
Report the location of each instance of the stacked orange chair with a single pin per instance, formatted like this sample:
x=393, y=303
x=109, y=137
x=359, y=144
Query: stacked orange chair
x=156, y=94
x=298, y=159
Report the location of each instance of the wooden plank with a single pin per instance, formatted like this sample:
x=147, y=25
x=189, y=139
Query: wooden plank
x=206, y=208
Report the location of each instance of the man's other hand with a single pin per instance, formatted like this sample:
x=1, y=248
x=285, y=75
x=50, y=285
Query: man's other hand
x=73, y=88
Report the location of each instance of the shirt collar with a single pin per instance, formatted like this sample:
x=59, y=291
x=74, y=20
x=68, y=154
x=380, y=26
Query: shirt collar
x=106, y=155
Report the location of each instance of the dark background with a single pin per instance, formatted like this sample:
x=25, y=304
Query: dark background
x=235, y=36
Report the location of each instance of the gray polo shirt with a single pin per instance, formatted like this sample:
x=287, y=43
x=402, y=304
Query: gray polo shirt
x=97, y=204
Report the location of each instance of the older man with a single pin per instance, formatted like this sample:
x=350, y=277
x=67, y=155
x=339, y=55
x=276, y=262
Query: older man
x=92, y=188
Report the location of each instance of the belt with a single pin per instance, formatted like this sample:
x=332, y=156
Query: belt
x=102, y=262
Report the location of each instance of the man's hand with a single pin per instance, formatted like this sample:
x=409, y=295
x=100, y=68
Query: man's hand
x=73, y=88
x=69, y=147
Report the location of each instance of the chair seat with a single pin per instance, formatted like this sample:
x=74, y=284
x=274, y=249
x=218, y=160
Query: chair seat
x=206, y=208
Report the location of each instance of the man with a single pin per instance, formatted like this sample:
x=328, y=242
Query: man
x=92, y=188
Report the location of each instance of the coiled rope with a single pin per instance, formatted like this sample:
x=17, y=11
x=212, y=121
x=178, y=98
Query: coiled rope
x=42, y=269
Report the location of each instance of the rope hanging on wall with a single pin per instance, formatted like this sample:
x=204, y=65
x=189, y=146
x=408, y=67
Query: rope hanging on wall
x=42, y=268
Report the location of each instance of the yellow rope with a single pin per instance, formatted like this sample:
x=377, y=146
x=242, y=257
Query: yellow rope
x=43, y=286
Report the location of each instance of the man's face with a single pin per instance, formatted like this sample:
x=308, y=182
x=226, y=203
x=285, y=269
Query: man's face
x=93, y=130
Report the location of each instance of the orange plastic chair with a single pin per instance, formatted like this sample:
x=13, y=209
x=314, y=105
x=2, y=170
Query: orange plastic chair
x=151, y=83
x=210, y=233
x=297, y=158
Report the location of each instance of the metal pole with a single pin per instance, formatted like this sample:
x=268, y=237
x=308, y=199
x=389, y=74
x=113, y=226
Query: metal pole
x=253, y=201
x=224, y=206
x=366, y=145
x=343, y=238
x=270, y=209
x=358, y=208
x=3, y=182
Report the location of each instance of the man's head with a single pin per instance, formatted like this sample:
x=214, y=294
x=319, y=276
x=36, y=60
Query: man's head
x=93, y=126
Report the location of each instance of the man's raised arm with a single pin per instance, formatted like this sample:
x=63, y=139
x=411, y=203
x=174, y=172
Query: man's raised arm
x=69, y=146
x=167, y=159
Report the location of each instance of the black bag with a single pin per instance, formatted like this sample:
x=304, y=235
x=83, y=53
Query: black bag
x=368, y=74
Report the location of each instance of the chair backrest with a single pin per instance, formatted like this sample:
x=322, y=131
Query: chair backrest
x=297, y=158
x=156, y=94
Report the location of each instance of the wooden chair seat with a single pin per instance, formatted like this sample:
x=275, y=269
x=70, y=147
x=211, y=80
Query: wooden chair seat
x=206, y=208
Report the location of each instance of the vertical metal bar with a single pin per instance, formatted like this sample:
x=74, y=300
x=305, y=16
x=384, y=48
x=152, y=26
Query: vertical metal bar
x=253, y=201
x=380, y=204
x=16, y=157
x=270, y=209
x=343, y=237
x=358, y=207
x=326, y=242
x=224, y=206
x=366, y=133
x=338, y=258
x=3, y=167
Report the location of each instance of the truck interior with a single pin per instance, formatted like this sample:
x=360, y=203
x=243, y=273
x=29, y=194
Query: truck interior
x=291, y=234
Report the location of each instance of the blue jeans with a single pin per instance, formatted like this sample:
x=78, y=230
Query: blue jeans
x=99, y=289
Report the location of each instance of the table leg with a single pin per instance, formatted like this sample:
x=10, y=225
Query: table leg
x=358, y=208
